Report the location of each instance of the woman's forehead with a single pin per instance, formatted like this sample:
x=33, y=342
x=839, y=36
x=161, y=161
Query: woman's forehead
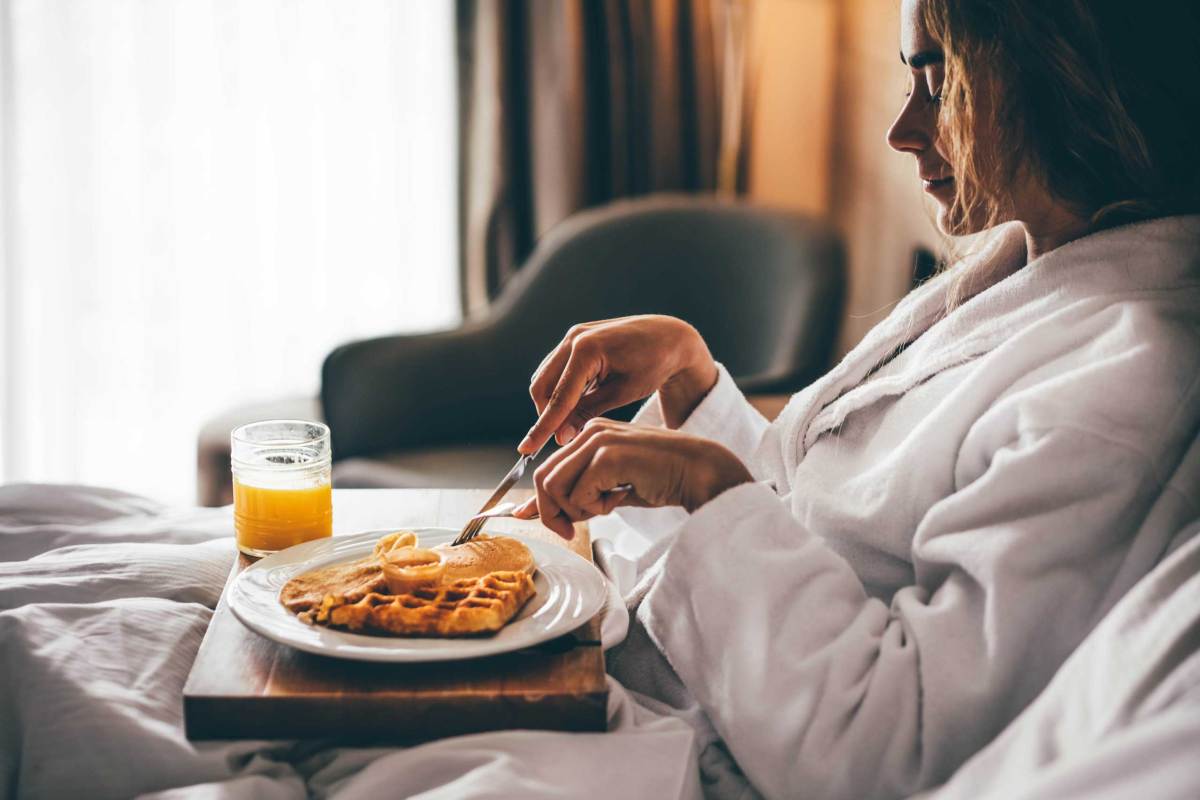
x=914, y=37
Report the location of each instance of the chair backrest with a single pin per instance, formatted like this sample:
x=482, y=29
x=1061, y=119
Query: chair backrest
x=764, y=287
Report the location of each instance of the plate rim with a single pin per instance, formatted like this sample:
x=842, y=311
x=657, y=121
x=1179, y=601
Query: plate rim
x=400, y=656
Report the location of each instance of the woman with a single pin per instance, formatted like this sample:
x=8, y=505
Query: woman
x=865, y=592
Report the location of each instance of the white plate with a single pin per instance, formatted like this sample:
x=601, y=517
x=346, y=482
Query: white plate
x=570, y=591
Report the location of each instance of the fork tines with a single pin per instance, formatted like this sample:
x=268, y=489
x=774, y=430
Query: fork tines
x=471, y=531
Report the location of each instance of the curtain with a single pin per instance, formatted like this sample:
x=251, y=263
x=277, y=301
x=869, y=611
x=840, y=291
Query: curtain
x=199, y=201
x=567, y=104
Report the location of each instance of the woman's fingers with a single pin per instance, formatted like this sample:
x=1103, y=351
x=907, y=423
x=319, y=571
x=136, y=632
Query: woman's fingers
x=580, y=481
x=581, y=368
x=595, y=491
x=656, y=467
x=604, y=397
x=559, y=478
x=527, y=510
x=552, y=516
x=546, y=376
x=610, y=500
x=554, y=479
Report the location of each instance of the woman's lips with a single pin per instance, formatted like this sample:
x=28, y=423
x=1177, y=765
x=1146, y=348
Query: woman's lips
x=932, y=185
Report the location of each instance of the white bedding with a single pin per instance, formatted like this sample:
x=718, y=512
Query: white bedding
x=104, y=598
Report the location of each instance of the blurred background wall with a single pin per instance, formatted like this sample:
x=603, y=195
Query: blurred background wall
x=829, y=86
x=198, y=202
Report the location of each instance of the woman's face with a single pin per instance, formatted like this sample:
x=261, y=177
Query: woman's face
x=1048, y=221
x=915, y=129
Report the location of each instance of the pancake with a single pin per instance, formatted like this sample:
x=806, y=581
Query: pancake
x=485, y=554
x=353, y=580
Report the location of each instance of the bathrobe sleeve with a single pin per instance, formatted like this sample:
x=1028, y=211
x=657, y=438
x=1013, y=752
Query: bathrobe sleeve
x=725, y=416
x=821, y=691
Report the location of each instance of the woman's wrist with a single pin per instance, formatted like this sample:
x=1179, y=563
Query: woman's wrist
x=683, y=391
x=720, y=472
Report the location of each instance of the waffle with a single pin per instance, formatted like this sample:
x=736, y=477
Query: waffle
x=466, y=607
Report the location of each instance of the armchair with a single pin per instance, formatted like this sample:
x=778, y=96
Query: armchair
x=764, y=287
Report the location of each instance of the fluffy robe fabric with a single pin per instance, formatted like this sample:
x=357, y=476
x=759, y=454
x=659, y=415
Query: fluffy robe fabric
x=929, y=540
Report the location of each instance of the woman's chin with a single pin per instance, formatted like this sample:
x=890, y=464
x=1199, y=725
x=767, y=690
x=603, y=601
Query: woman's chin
x=950, y=221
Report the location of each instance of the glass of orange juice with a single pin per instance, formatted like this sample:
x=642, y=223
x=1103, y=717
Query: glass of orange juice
x=281, y=484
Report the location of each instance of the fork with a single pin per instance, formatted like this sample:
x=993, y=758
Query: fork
x=502, y=510
x=475, y=523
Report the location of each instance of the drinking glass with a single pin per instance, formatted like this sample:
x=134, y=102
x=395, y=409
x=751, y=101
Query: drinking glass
x=282, y=494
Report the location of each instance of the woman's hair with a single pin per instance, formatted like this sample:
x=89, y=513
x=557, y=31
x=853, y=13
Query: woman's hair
x=1096, y=100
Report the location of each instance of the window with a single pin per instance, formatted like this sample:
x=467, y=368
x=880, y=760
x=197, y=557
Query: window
x=200, y=200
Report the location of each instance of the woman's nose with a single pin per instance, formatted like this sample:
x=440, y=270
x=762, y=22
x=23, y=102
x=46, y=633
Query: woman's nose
x=914, y=129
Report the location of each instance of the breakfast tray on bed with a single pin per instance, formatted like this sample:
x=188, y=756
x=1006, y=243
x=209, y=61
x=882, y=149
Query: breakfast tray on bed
x=243, y=686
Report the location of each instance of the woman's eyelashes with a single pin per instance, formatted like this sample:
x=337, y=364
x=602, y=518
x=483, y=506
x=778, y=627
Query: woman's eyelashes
x=935, y=95
x=932, y=97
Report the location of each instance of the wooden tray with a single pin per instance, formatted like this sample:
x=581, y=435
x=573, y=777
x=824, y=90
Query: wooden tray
x=243, y=686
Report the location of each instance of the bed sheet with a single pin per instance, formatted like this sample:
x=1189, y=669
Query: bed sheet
x=104, y=599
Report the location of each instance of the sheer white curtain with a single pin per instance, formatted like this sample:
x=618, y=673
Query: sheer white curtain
x=200, y=199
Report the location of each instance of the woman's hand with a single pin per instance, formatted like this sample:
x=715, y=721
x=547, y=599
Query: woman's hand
x=600, y=366
x=664, y=467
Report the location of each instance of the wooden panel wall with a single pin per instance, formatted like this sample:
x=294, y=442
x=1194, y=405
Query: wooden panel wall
x=824, y=150
x=791, y=72
x=876, y=197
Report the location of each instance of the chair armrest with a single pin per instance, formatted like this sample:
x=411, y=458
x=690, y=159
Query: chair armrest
x=468, y=385
x=214, y=484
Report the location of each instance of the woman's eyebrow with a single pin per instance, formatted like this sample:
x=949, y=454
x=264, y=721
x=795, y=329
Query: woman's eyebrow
x=922, y=59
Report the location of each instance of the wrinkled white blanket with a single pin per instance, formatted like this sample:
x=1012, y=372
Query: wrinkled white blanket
x=104, y=598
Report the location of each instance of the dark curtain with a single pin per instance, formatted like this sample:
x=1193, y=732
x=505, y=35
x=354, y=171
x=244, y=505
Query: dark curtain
x=566, y=104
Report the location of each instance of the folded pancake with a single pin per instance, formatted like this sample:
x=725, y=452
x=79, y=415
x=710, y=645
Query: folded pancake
x=485, y=554
x=352, y=580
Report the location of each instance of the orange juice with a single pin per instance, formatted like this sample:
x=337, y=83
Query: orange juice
x=281, y=484
x=268, y=519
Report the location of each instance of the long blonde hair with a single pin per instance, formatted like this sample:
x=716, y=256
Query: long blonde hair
x=1093, y=99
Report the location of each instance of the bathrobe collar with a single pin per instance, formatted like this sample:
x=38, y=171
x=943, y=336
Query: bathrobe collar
x=1145, y=256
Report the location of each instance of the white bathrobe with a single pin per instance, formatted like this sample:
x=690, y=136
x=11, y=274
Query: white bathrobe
x=928, y=541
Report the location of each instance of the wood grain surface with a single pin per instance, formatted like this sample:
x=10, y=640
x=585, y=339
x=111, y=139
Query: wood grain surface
x=243, y=686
